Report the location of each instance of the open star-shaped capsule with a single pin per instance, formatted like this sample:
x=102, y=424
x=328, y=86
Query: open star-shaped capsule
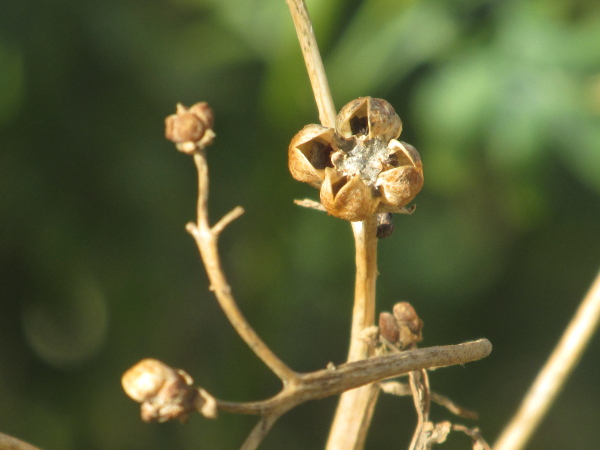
x=359, y=167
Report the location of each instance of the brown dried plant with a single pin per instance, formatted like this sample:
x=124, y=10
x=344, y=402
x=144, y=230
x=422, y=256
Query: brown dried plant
x=364, y=174
x=166, y=393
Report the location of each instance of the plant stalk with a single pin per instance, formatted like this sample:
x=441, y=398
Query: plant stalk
x=554, y=374
x=355, y=409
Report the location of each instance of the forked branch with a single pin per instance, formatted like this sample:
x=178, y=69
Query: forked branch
x=166, y=393
x=206, y=238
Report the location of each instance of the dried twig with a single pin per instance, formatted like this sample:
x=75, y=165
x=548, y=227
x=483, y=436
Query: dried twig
x=553, y=375
x=419, y=384
x=206, y=239
x=259, y=431
x=172, y=394
x=166, y=393
x=323, y=383
x=314, y=64
x=11, y=443
x=479, y=442
x=308, y=203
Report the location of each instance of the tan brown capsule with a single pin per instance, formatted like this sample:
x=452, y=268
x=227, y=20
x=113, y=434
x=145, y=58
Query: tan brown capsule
x=145, y=380
x=388, y=327
x=347, y=198
x=411, y=326
x=309, y=154
x=359, y=166
x=165, y=393
x=373, y=117
x=190, y=129
x=204, y=113
x=401, y=184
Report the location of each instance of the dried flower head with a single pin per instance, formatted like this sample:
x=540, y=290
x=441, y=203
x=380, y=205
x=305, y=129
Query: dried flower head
x=165, y=393
x=359, y=167
x=190, y=129
x=402, y=328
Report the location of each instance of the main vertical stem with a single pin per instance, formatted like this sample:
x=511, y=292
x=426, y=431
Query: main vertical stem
x=353, y=416
x=355, y=409
x=312, y=59
x=363, y=314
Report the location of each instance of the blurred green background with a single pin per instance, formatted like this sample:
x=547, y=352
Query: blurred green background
x=502, y=99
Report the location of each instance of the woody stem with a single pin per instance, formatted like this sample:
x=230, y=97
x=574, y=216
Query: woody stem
x=355, y=409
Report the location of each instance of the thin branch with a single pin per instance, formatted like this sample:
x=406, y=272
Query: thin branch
x=308, y=203
x=259, y=431
x=314, y=64
x=327, y=382
x=473, y=433
x=552, y=377
x=206, y=240
x=419, y=385
x=227, y=219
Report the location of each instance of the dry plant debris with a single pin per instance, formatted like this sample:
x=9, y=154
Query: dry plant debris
x=166, y=393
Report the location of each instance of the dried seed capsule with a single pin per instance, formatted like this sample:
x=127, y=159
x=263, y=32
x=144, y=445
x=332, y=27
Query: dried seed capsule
x=359, y=167
x=309, y=154
x=144, y=380
x=348, y=199
x=204, y=113
x=399, y=185
x=165, y=393
x=191, y=128
x=373, y=117
x=411, y=326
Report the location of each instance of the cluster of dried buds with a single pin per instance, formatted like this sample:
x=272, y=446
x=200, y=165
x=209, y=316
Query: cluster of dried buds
x=190, y=128
x=402, y=328
x=166, y=393
x=359, y=167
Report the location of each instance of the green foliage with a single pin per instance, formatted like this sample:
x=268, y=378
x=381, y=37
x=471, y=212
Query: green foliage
x=502, y=99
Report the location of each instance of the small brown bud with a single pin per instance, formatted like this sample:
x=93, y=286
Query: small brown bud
x=388, y=327
x=190, y=129
x=146, y=379
x=165, y=393
x=410, y=324
x=184, y=127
